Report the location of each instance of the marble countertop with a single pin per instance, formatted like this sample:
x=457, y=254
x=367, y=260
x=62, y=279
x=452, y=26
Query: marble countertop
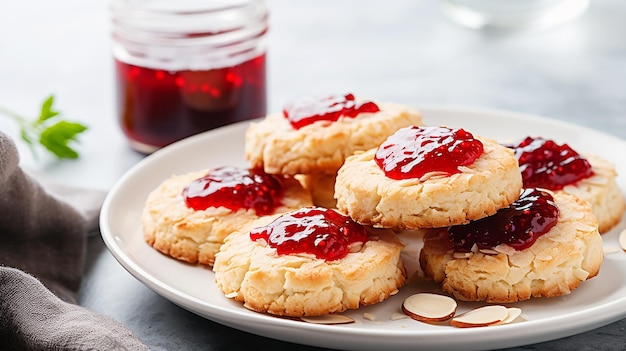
x=402, y=51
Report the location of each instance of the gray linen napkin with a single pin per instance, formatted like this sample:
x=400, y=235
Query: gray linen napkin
x=42, y=249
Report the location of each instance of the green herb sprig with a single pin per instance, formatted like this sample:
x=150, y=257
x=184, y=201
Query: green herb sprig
x=49, y=130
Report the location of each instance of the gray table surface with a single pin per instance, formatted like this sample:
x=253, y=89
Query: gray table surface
x=402, y=51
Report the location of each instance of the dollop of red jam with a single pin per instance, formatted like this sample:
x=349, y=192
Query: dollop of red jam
x=322, y=232
x=518, y=225
x=413, y=151
x=235, y=188
x=546, y=164
x=307, y=110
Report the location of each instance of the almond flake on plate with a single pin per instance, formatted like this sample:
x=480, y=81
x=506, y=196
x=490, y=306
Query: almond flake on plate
x=426, y=307
x=369, y=316
x=328, y=319
x=481, y=317
x=513, y=314
x=396, y=316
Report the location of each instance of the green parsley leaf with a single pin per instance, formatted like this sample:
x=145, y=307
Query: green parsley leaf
x=56, y=138
x=46, y=110
x=52, y=132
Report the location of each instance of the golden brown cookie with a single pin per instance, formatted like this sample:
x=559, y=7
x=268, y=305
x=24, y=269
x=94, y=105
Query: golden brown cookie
x=545, y=163
x=276, y=146
x=601, y=192
x=366, y=194
x=298, y=285
x=568, y=254
x=181, y=232
x=321, y=186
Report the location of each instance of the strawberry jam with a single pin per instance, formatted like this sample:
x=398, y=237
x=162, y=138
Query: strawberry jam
x=235, y=188
x=518, y=225
x=414, y=151
x=546, y=164
x=157, y=107
x=322, y=232
x=307, y=110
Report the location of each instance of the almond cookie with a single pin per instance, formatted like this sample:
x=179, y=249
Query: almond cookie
x=321, y=186
x=558, y=167
x=310, y=262
x=432, y=198
x=601, y=192
x=543, y=245
x=188, y=216
x=316, y=135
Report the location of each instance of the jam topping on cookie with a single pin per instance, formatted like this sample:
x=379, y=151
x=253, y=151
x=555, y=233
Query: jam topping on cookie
x=322, y=232
x=517, y=226
x=546, y=164
x=235, y=188
x=307, y=110
x=414, y=151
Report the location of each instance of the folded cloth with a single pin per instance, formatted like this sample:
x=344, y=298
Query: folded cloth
x=35, y=319
x=42, y=254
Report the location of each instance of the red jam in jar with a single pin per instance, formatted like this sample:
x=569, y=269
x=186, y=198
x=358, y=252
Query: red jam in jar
x=413, y=151
x=546, y=164
x=517, y=226
x=187, y=66
x=321, y=232
x=307, y=110
x=157, y=107
x=235, y=188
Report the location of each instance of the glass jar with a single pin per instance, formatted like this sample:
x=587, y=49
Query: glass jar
x=186, y=66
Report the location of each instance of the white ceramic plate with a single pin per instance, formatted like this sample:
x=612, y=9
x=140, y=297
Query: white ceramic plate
x=596, y=302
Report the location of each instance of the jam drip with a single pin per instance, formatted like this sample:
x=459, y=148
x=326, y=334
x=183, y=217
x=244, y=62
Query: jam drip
x=518, y=225
x=413, y=151
x=307, y=110
x=546, y=164
x=322, y=232
x=235, y=188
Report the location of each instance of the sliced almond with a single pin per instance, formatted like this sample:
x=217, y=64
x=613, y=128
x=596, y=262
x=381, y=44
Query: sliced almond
x=505, y=249
x=480, y=317
x=427, y=307
x=432, y=175
x=513, y=314
x=581, y=274
x=328, y=319
x=622, y=240
x=462, y=255
x=488, y=251
x=586, y=227
x=395, y=316
x=610, y=249
x=369, y=316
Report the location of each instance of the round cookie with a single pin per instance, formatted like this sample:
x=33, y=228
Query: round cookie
x=491, y=182
x=569, y=253
x=601, y=192
x=545, y=163
x=277, y=147
x=299, y=285
x=196, y=236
